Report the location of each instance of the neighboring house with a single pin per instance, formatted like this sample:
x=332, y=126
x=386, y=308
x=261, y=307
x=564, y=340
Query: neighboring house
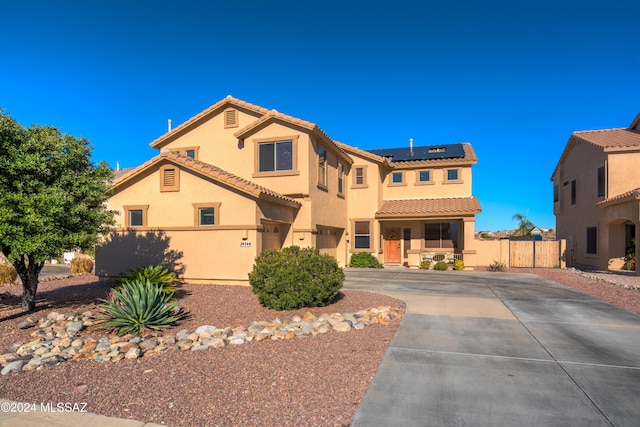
x=238, y=179
x=596, y=195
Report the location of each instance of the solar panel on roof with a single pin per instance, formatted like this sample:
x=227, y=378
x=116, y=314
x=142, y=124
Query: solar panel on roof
x=431, y=152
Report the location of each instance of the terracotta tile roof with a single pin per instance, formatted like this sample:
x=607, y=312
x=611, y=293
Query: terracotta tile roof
x=616, y=139
x=275, y=115
x=610, y=138
x=229, y=100
x=621, y=198
x=120, y=172
x=213, y=172
x=429, y=207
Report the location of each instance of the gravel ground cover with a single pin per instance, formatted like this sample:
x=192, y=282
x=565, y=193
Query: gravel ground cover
x=318, y=381
x=312, y=381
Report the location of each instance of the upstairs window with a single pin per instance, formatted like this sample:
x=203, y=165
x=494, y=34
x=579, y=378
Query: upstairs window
x=601, y=182
x=424, y=176
x=340, y=178
x=322, y=167
x=574, y=192
x=397, y=178
x=453, y=174
x=360, y=176
x=275, y=156
x=206, y=216
x=190, y=153
x=556, y=193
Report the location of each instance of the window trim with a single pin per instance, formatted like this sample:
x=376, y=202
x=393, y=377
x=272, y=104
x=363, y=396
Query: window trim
x=294, y=156
x=354, y=183
x=183, y=151
x=323, y=178
x=390, y=183
x=601, y=182
x=127, y=215
x=371, y=235
x=340, y=182
x=452, y=181
x=430, y=182
x=216, y=214
x=176, y=185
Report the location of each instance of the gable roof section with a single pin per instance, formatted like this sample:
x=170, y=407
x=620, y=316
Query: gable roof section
x=621, y=198
x=610, y=140
x=203, y=115
x=362, y=153
x=429, y=207
x=274, y=115
x=213, y=172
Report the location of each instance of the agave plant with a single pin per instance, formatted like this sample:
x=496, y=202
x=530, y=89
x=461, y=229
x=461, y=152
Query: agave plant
x=138, y=305
x=156, y=274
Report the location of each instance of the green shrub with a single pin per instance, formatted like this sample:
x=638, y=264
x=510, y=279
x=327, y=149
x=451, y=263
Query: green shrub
x=458, y=265
x=424, y=265
x=138, y=306
x=295, y=277
x=364, y=260
x=441, y=265
x=8, y=274
x=81, y=265
x=157, y=275
x=499, y=266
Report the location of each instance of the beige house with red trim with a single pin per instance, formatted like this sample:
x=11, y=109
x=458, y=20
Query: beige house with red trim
x=596, y=196
x=238, y=179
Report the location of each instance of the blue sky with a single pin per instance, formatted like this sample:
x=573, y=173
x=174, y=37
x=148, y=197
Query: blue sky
x=512, y=78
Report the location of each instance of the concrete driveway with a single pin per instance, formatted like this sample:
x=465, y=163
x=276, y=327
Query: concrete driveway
x=496, y=349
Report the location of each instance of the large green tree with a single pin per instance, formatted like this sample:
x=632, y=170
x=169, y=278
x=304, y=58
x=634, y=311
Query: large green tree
x=52, y=198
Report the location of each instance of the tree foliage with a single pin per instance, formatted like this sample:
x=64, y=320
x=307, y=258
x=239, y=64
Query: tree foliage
x=51, y=198
x=524, y=225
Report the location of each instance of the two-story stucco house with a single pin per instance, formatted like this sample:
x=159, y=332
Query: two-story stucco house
x=596, y=195
x=238, y=179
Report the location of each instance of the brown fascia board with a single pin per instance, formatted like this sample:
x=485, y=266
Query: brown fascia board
x=203, y=115
x=363, y=153
x=274, y=115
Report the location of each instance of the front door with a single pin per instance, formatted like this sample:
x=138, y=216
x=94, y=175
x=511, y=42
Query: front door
x=392, y=246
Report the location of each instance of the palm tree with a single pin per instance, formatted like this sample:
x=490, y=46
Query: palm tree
x=524, y=225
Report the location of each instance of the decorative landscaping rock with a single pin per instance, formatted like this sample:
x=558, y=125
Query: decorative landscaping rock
x=54, y=340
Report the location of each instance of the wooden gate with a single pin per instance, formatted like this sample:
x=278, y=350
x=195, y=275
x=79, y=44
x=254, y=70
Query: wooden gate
x=534, y=253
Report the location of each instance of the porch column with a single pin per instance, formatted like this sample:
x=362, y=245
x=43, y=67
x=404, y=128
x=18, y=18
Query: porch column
x=468, y=241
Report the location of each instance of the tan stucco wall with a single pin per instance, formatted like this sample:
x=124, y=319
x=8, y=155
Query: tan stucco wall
x=437, y=188
x=622, y=174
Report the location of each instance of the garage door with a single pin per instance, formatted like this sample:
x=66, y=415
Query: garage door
x=327, y=240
